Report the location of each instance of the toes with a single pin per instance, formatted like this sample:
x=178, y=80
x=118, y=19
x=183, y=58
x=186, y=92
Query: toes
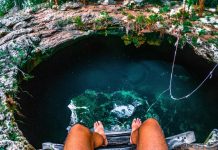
x=100, y=123
x=138, y=121
x=95, y=125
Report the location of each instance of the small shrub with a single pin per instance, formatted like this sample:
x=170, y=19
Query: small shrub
x=156, y=18
x=13, y=136
x=202, y=32
x=172, y=3
x=78, y=21
x=165, y=9
x=134, y=39
x=194, y=41
x=64, y=22
x=5, y=6
x=187, y=23
x=141, y=20
x=157, y=2
x=130, y=17
x=105, y=16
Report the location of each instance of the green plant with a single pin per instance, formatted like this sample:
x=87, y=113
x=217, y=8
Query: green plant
x=78, y=21
x=202, y=32
x=157, y=2
x=103, y=21
x=63, y=22
x=164, y=9
x=2, y=148
x=194, y=41
x=193, y=16
x=182, y=41
x=141, y=20
x=187, y=23
x=191, y=3
x=105, y=16
x=155, y=17
x=5, y=6
x=213, y=41
x=133, y=39
x=140, y=23
x=13, y=136
x=173, y=3
x=130, y=17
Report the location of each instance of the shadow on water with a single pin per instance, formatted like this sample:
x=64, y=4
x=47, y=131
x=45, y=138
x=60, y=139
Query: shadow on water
x=105, y=64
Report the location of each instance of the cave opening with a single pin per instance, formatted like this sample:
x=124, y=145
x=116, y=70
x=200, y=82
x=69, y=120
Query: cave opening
x=116, y=83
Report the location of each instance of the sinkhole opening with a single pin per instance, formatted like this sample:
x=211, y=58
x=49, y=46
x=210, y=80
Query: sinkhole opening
x=102, y=79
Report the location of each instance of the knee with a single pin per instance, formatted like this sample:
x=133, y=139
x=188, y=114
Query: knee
x=79, y=127
x=150, y=122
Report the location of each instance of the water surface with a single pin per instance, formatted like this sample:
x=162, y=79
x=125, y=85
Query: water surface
x=102, y=74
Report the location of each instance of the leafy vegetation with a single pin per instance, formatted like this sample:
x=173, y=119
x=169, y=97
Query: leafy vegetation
x=78, y=21
x=164, y=9
x=13, y=136
x=158, y=2
x=130, y=17
x=103, y=21
x=140, y=22
x=133, y=39
x=64, y=22
x=202, y=32
x=5, y=6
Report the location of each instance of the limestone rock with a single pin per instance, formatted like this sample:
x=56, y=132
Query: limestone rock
x=107, y=2
x=132, y=2
x=71, y=5
x=15, y=34
x=20, y=25
x=3, y=32
x=10, y=21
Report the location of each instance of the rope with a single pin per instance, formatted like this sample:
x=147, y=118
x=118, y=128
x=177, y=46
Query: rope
x=157, y=100
x=171, y=77
x=209, y=76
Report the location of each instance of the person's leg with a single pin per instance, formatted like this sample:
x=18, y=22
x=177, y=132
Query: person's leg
x=81, y=138
x=148, y=136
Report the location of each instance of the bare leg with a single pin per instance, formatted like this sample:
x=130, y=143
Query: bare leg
x=81, y=138
x=147, y=136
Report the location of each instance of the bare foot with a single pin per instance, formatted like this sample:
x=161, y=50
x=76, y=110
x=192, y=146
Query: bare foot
x=99, y=128
x=136, y=123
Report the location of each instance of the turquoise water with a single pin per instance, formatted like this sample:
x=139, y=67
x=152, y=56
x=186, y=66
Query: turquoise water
x=114, y=83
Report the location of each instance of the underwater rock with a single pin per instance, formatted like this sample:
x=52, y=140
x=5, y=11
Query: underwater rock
x=107, y=107
x=123, y=111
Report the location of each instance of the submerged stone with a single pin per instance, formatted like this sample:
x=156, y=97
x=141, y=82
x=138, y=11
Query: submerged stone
x=110, y=108
x=123, y=111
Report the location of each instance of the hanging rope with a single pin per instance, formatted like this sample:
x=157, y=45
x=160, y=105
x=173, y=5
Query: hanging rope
x=157, y=100
x=171, y=77
x=171, y=80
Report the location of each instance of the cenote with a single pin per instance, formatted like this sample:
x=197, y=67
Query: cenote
x=101, y=76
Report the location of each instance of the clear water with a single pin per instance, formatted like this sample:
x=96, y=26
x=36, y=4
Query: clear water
x=103, y=76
